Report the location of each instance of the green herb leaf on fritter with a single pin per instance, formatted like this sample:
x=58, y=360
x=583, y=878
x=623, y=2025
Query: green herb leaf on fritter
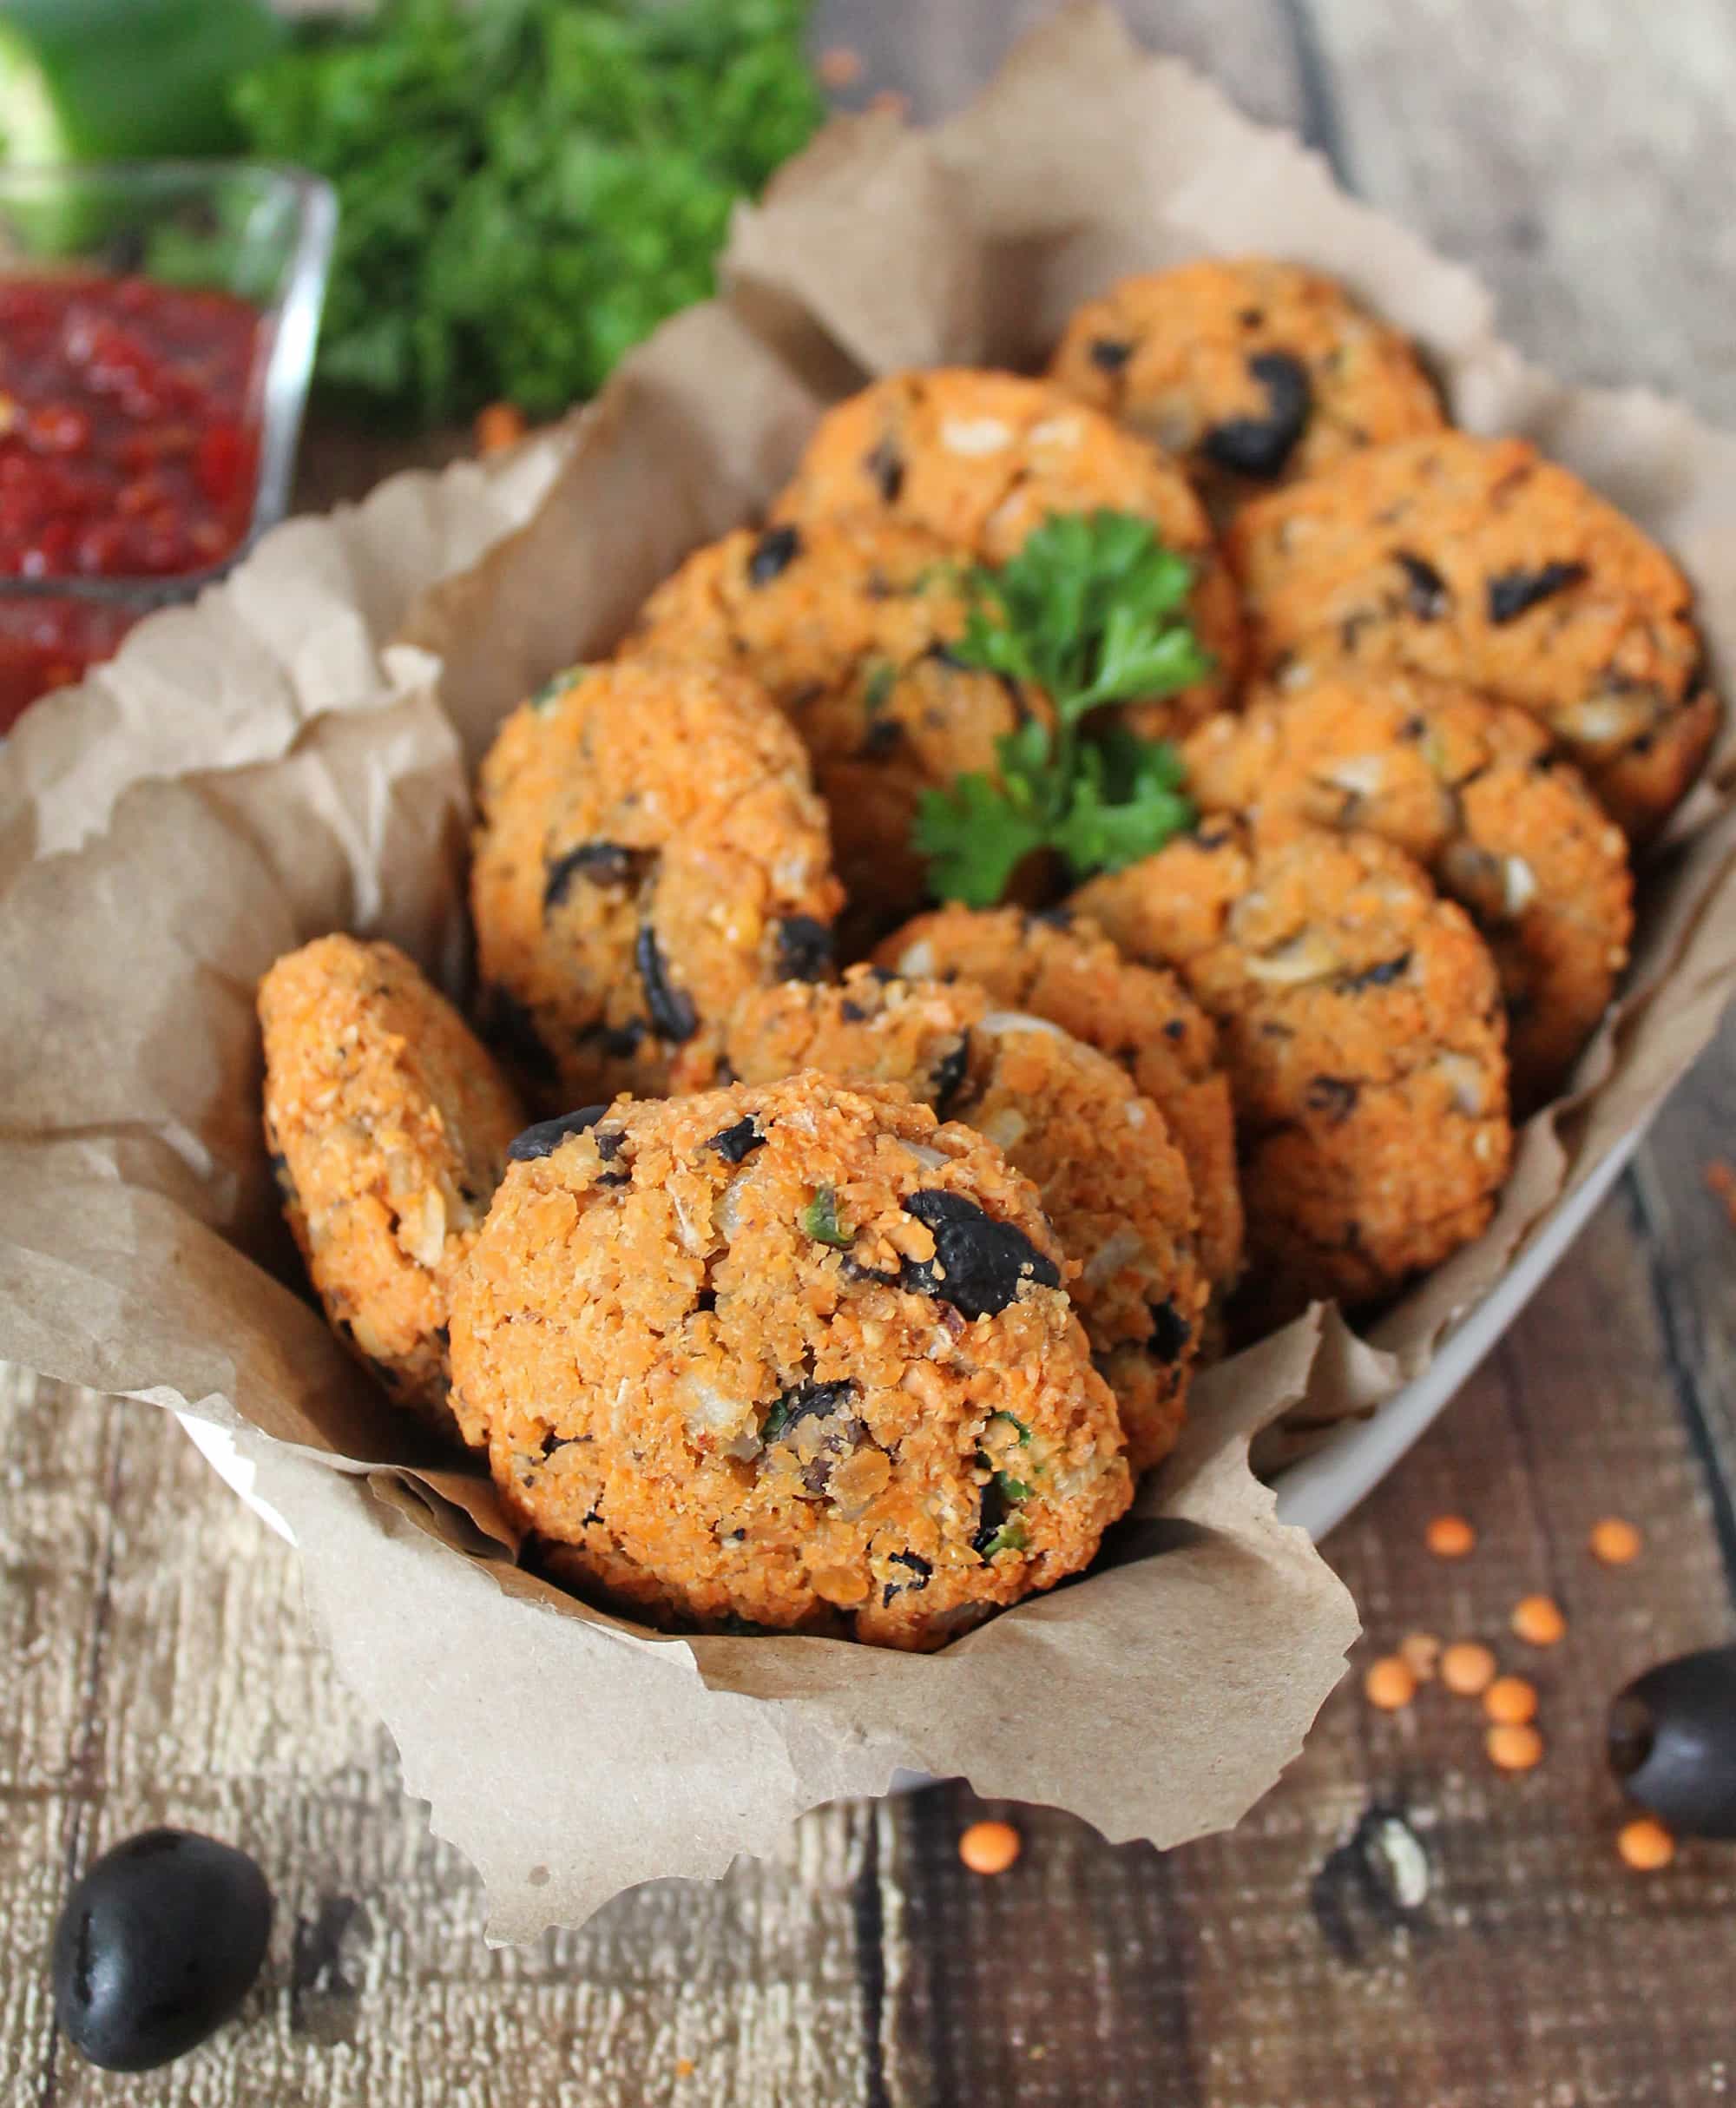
x=820, y=1220
x=1092, y=610
x=1010, y=1537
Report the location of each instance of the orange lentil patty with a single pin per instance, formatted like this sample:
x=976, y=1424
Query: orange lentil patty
x=797, y=1357
x=1249, y=372
x=650, y=845
x=1477, y=560
x=1060, y=966
x=1474, y=790
x=846, y=623
x=388, y=1125
x=1112, y=1182
x=1362, y=1028
x=981, y=458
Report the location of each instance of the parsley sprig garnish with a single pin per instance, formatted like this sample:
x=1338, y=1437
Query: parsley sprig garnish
x=1092, y=610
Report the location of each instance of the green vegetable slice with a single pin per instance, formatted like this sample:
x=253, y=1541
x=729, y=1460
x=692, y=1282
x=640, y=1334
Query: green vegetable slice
x=1010, y=1537
x=820, y=1220
x=125, y=80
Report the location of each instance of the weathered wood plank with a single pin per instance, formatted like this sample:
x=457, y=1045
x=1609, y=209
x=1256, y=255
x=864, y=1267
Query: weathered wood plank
x=1205, y=1976
x=938, y=52
x=194, y=1692
x=1690, y=1243
x=1572, y=155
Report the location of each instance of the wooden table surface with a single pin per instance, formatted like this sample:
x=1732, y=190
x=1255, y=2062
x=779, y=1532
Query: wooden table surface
x=155, y=1663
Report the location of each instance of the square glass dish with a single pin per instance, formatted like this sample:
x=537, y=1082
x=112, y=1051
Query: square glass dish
x=158, y=321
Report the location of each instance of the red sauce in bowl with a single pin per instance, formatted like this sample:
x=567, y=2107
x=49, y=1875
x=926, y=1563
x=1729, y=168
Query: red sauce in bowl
x=128, y=448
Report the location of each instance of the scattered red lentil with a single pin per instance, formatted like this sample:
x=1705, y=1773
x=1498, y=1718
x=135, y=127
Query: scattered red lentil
x=1646, y=1845
x=684, y=2067
x=990, y=1848
x=1615, y=1542
x=500, y=425
x=1513, y=1746
x=892, y=101
x=1421, y=1654
x=1467, y=1668
x=1721, y=1178
x=839, y=66
x=1538, y=1621
x=1450, y=1537
x=1390, y=1683
x=1510, y=1701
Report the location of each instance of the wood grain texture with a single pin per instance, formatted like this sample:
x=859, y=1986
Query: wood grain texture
x=936, y=53
x=155, y=1664
x=1573, y=154
x=159, y=1669
x=1261, y=1966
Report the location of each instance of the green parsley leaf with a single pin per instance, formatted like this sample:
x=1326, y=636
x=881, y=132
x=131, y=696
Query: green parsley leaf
x=527, y=187
x=1016, y=1423
x=975, y=835
x=556, y=686
x=1093, y=610
x=1127, y=803
x=820, y=1220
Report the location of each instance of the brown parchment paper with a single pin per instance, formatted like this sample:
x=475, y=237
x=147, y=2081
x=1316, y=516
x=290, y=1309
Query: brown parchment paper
x=292, y=756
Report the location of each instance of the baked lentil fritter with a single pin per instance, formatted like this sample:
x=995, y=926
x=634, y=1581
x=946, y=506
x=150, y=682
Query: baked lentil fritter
x=649, y=847
x=981, y=458
x=1477, y=793
x=1361, y=1023
x=1477, y=560
x=1060, y=966
x=799, y=1359
x=1249, y=372
x=388, y=1125
x=846, y=623
x=1112, y=1182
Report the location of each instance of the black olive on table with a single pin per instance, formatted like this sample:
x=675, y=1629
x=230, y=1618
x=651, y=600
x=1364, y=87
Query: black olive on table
x=158, y=1945
x=1672, y=1741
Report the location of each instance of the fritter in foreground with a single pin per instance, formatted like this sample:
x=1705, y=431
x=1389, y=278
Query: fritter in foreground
x=791, y=1359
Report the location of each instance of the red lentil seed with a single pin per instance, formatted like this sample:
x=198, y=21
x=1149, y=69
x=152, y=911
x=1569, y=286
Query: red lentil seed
x=839, y=66
x=1511, y=1701
x=1467, y=1668
x=1646, y=1845
x=1537, y=1620
x=1390, y=1683
x=1615, y=1542
x=1450, y=1537
x=1421, y=1654
x=990, y=1848
x=1514, y=1746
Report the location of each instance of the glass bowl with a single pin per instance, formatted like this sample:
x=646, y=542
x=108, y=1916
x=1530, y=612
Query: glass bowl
x=261, y=233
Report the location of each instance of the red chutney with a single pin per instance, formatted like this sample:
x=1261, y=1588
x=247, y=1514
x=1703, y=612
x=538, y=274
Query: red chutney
x=128, y=448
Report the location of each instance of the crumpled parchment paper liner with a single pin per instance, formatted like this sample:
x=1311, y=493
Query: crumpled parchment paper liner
x=292, y=756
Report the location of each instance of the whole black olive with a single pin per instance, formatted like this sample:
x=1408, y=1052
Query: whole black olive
x=1672, y=1741
x=157, y=1946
